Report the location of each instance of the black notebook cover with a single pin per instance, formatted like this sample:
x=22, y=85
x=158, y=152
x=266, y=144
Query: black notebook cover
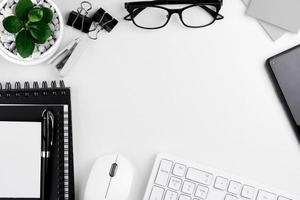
x=27, y=104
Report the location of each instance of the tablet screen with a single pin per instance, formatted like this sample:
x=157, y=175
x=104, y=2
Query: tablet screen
x=286, y=68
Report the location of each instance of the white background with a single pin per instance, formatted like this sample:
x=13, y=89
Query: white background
x=203, y=94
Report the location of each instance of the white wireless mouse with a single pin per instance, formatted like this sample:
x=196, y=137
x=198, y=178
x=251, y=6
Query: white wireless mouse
x=110, y=179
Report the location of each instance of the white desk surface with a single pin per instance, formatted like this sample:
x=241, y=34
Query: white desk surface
x=201, y=94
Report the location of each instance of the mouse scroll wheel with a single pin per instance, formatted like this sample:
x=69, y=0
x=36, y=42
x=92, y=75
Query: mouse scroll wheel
x=113, y=169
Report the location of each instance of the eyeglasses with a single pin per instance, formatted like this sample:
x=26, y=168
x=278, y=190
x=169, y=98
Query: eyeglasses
x=152, y=15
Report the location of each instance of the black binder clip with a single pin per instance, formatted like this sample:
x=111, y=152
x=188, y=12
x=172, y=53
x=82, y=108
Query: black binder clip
x=102, y=21
x=79, y=19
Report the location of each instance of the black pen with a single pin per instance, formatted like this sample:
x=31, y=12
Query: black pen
x=47, y=142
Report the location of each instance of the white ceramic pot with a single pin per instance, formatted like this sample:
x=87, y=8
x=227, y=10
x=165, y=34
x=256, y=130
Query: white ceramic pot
x=44, y=56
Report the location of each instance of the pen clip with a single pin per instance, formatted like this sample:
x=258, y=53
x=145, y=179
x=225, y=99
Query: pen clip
x=50, y=122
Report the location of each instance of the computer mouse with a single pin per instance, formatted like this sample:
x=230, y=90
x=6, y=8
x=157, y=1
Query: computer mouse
x=110, y=179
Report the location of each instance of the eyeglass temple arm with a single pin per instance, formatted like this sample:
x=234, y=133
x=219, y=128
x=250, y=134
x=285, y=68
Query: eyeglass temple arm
x=212, y=12
x=132, y=15
x=137, y=11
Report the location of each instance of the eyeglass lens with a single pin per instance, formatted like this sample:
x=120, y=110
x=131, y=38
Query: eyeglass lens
x=152, y=17
x=198, y=16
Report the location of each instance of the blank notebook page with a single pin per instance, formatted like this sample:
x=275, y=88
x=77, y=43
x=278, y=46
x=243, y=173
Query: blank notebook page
x=20, y=159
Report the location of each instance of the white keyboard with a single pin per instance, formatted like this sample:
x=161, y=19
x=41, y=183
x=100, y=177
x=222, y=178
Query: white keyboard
x=176, y=179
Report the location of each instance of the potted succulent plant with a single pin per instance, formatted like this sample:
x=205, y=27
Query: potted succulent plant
x=30, y=28
x=30, y=24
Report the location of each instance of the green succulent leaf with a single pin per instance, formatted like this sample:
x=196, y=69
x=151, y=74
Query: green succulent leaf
x=24, y=43
x=39, y=41
x=12, y=24
x=47, y=15
x=40, y=31
x=22, y=9
x=35, y=14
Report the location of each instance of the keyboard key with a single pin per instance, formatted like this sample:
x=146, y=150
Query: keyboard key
x=175, y=183
x=163, y=172
x=188, y=187
x=283, y=198
x=199, y=176
x=171, y=195
x=230, y=197
x=221, y=183
x=201, y=192
x=234, y=187
x=248, y=192
x=183, y=197
x=157, y=193
x=264, y=195
x=179, y=170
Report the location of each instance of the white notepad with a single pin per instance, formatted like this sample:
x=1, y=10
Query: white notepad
x=20, y=159
x=275, y=32
x=282, y=13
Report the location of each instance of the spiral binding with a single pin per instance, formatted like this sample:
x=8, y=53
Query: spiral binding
x=54, y=89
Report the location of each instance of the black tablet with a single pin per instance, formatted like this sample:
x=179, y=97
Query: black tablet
x=285, y=69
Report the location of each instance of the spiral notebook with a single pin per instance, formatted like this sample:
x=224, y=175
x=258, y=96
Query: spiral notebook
x=21, y=108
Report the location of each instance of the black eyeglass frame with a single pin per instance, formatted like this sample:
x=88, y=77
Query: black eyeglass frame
x=134, y=8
